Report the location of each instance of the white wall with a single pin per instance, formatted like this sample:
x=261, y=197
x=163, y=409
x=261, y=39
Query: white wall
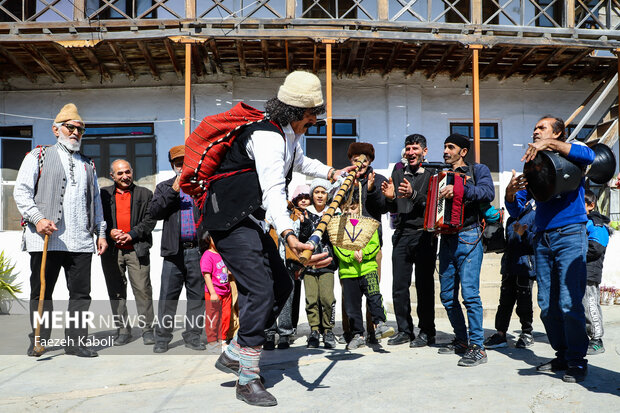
x=387, y=109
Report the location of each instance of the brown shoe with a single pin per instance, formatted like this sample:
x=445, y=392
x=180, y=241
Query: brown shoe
x=254, y=393
x=227, y=365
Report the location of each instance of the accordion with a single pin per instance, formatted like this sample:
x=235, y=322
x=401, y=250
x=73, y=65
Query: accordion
x=445, y=216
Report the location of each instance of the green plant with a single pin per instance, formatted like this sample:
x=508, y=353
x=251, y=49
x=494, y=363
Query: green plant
x=8, y=288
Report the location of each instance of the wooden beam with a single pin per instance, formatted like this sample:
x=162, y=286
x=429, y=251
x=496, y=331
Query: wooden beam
x=290, y=9
x=79, y=10
x=328, y=97
x=73, y=64
x=341, y=60
x=517, y=63
x=462, y=65
x=44, y=63
x=355, y=45
x=264, y=45
x=570, y=13
x=585, y=102
x=434, y=71
x=366, y=58
x=316, y=55
x=499, y=56
x=286, y=55
x=390, y=62
x=149, y=60
x=241, y=56
x=173, y=58
x=576, y=59
x=94, y=60
x=188, y=89
x=9, y=56
x=216, y=56
x=190, y=10
x=382, y=10
x=120, y=56
x=548, y=59
x=476, y=100
x=476, y=12
x=204, y=57
x=416, y=59
x=197, y=61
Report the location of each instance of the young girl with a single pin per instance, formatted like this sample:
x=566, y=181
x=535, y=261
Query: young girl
x=218, y=297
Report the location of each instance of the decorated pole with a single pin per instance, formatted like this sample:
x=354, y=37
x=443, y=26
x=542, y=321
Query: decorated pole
x=327, y=215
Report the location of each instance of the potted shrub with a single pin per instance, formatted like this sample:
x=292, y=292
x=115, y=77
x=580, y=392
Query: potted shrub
x=8, y=288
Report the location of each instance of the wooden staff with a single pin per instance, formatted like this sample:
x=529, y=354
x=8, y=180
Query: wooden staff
x=38, y=348
x=327, y=215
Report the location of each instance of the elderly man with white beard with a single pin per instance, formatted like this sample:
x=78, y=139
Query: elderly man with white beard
x=57, y=195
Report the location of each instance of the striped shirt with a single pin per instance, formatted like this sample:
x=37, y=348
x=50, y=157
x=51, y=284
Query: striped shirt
x=72, y=234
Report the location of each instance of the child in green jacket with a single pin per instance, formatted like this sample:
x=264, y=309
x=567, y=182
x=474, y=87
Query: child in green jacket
x=358, y=275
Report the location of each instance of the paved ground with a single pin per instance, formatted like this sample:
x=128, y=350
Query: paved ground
x=373, y=379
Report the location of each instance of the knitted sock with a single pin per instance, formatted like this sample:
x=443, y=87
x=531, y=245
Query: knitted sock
x=249, y=357
x=232, y=350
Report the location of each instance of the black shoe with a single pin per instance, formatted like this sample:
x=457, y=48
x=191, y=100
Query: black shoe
x=497, y=340
x=284, y=342
x=148, y=338
x=525, y=341
x=195, y=345
x=122, y=339
x=32, y=353
x=227, y=365
x=595, y=346
x=422, y=340
x=455, y=347
x=314, y=339
x=554, y=365
x=80, y=351
x=254, y=393
x=270, y=341
x=575, y=374
x=474, y=356
x=329, y=340
x=160, y=347
x=400, y=338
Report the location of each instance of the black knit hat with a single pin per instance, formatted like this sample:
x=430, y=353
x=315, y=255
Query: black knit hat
x=459, y=140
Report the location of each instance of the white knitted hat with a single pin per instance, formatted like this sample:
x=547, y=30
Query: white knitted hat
x=301, y=90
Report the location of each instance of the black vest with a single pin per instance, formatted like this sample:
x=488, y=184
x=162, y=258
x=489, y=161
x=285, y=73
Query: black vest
x=232, y=199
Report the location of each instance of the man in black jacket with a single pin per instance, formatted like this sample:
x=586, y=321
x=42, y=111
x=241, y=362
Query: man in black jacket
x=412, y=245
x=129, y=227
x=179, y=247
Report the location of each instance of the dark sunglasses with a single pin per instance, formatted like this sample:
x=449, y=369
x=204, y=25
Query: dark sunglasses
x=72, y=128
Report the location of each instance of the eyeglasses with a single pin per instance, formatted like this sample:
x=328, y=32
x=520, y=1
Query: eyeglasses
x=72, y=128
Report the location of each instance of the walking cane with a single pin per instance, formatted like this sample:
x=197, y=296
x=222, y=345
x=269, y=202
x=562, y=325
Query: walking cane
x=38, y=348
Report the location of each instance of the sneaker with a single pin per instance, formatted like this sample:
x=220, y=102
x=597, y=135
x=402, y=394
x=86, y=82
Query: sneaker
x=356, y=342
x=329, y=340
x=400, y=338
x=575, y=374
x=342, y=339
x=553, y=365
x=270, y=341
x=455, y=347
x=474, y=356
x=525, y=341
x=422, y=340
x=284, y=343
x=383, y=330
x=497, y=340
x=595, y=347
x=314, y=339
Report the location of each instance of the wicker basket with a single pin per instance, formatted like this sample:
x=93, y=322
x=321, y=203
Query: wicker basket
x=351, y=231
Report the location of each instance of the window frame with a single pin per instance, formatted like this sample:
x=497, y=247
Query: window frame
x=493, y=123
x=354, y=136
x=3, y=182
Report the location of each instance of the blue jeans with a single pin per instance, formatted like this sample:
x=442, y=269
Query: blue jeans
x=561, y=276
x=460, y=259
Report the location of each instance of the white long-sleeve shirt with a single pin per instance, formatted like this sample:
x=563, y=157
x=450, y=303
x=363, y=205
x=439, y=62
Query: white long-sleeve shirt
x=72, y=234
x=273, y=157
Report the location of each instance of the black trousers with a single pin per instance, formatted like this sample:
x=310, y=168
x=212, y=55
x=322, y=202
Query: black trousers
x=296, y=303
x=352, y=291
x=263, y=282
x=177, y=271
x=419, y=248
x=77, y=274
x=515, y=289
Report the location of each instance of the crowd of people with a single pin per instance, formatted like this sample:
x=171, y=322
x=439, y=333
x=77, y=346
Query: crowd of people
x=233, y=270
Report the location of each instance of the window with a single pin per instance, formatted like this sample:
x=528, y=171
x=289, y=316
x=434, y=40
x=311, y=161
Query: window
x=489, y=143
x=552, y=10
x=21, y=9
x=583, y=133
x=344, y=132
x=328, y=9
x=15, y=143
x=132, y=8
x=132, y=142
